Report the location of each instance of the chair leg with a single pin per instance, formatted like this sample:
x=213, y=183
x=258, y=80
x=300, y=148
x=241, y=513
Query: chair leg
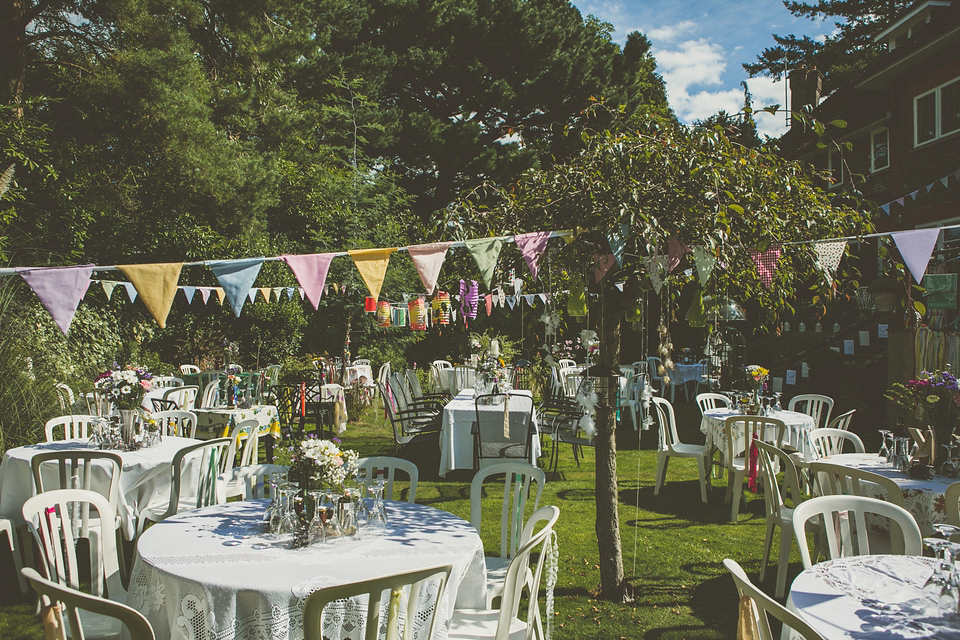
x=737, y=487
x=702, y=469
x=662, y=459
x=767, y=543
x=786, y=537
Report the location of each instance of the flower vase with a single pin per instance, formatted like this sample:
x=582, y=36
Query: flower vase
x=753, y=407
x=231, y=397
x=128, y=418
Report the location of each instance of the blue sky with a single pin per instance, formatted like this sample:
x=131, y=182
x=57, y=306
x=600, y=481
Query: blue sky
x=700, y=46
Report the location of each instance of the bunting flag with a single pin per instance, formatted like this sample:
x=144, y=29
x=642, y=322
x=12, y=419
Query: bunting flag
x=60, y=290
x=530, y=297
x=602, y=264
x=108, y=287
x=157, y=285
x=704, y=259
x=277, y=293
x=311, y=272
x=236, y=277
x=221, y=294
x=428, y=259
x=485, y=252
x=655, y=270
x=189, y=292
x=265, y=292
x=488, y=299
x=372, y=265
x=617, y=239
x=501, y=297
x=511, y=301
x=532, y=245
x=252, y=295
x=886, y=208
x=916, y=247
x=828, y=257
x=766, y=262
x=205, y=293
x=291, y=291
x=131, y=290
x=675, y=252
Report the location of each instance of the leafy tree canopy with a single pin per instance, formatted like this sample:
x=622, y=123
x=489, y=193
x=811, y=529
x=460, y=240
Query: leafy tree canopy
x=839, y=55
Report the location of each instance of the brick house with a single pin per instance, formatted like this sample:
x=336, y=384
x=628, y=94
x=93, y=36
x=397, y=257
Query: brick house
x=903, y=120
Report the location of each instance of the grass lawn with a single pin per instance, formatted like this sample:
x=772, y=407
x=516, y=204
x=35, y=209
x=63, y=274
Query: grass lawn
x=673, y=545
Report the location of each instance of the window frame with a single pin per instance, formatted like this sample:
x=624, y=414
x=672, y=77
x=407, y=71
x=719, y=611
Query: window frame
x=842, y=178
x=938, y=133
x=873, y=160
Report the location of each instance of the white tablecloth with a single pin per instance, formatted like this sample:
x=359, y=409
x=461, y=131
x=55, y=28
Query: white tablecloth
x=145, y=474
x=218, y=422
x=209, y=574
x=355, y=372
x=798, y=426
x=334, y=393
x=684, y=373
x=456, y=442
x=922, y=498
x=869, y=598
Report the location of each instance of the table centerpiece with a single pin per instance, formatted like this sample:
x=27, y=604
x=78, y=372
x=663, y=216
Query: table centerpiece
x=124, y=390
x=757, y=377
x=491, y=354
x=933, y=398
x=318, y=465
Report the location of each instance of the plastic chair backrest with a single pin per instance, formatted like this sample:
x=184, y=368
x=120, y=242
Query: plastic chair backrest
x=518, y=477
x=414, y=381
x=443, y=364
x=464, y=377
x=199, y=466
x=837, y=479
x=78, y=469
x=74, y=427
x=54, y=520
x=189, y=368
x=815, y=405
x=829, y=442
x=176, y=422
x=707, y=401
x=772, y=462
x=73, y=601
x=251, y=482
x=185, y=397
x=247, y=431
x=764, y=606
x=513, y=413
x=566, y=363
x=211, y=394
x=386, y=467
x=839, y=532
x=842, y=421
x=668, y=424
x=65, y=397
x=754, y=428
x=653, y=368
x=166, y=382
x=399, y=597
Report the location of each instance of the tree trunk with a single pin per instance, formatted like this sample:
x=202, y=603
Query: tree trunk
x=12, y=54
x=613, y=587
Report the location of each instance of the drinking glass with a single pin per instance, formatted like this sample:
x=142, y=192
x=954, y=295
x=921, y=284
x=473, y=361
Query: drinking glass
x=287, y=524
x=884, y=450
x=377, y=519
x=333, y=527
x=942, y=586
x=776, y=396
x=317, y=531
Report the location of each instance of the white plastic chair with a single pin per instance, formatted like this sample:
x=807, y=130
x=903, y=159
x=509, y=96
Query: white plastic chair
x=74, y=427
x=778, y=514
x=211, y=394
x=247, y=432
x=386, y=467
x=6, y=526
x=829, y=442
x=763, y=606
x=77, y=606
x=185, y=397
x=404, y=592
x=634, y=401
x=814, y=405
x=846, y=540
x=517, y=478
x=166, y=382
x=504, y=623
x=671, y=446
x=250, y=482
x=566, y=363
x=361, y=361
x=189, y=368
x=195, y=482
x=65, y=398
x=842, y=421
x=182, y=424
x=737, y=451
x=709, y=400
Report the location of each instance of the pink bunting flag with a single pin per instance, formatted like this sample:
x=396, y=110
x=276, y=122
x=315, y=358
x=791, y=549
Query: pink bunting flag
x=766, y=262
x=60, y=290
x=602, y=264
x=675, y=252
x=205, y=293
x=488, y=299
x=311, y=272
x=916, y=247
x=532, y=245
x=428, y=259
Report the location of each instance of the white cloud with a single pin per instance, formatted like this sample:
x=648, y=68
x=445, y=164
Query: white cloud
x=767, y=93
x=694, y=62
x=670, y=32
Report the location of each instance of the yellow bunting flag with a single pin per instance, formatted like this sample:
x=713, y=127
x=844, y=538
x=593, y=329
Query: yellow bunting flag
x=157, y=285
x=372, y=265
x=221, y=294
x=265, y=292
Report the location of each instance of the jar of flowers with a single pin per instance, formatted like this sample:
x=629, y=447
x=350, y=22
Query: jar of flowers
x=933, y=399
x=317, y=464
x=124, y=390
x=756, y=376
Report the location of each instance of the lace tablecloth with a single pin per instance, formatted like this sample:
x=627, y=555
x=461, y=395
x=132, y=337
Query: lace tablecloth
x=218, y=422
x=209, y=575
x=456, y=442
x=798, y=426
x=145, y=475
x=870, y=598
x=922, y=498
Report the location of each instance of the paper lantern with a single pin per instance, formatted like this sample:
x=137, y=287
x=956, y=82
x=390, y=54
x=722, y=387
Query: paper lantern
x=399, y=316
x=418, y=314
x=370, y=304
x=441, y=308
x=383, y=314
x=469, y=297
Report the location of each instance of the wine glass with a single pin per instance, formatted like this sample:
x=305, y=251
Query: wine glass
x=776, y=396
x=333, y=527
x=377, y=519
x=884, y=450
x=942, y=584
x=317, y=530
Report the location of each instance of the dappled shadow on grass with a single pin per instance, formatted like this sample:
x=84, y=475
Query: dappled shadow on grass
x=681, y=500
x=714, y=599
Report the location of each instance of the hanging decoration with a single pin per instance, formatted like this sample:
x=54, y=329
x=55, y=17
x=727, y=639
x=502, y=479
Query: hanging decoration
x=441, y=308
x=236, y=277
x=418, y=314
x=428, y=259
x=156, y=284
x=577, y=301
x=766, y=262
x=664, y=351
x=828, y=257
x=188, y=293
x=675, y=252
x=916, y=247
x=60, y=290
x=602, y=264
x=488, y=301
x=617, y=239
x=399, y=316
x=370, y=304
x=485, y=252
x=311, y=272
x=372, y=265
x=383, y=314
x=532, y=245
x=655, y=271
x=704, y=259
x=469, y=298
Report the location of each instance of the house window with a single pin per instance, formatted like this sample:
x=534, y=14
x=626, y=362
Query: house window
x=879, y=149
x=835, y=167
x=937, y=113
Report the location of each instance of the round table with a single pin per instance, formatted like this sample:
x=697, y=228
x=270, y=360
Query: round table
x=922, y=498
x=211, y=573
x=798, y=426
x=870, y=598
x=145, y=475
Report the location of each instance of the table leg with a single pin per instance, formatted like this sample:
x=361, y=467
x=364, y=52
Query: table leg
x=268, y=446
